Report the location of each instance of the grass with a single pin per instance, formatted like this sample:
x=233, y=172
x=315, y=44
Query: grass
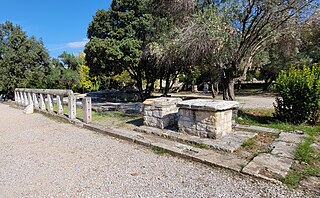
x=119, y=119
x=159, y=150
x=201, y=146
x=292, y=179
x=112, y=115
x=304, y=151
x=249, y=143
x=264, y=117
x=308, y=158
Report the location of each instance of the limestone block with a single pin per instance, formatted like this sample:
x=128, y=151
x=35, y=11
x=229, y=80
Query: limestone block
x=206, y=118
x=161, y=112
x=29, y=109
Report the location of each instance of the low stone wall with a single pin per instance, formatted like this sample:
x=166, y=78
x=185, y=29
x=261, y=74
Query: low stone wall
x=206, y=118
x=161, y=112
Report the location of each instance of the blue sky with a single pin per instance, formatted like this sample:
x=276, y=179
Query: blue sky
x=62, y=24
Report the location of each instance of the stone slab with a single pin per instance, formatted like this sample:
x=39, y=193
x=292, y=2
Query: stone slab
x=229, y=143
x=269, y=167
x=291, y=137
x=284, y=149
x=208, y=105
x=29, y=109
x=258, y=129
x=312, y=183
x=163, y=101
x=222, y=160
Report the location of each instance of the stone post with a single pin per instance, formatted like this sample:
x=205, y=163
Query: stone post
x=21, y=98
x=72, y=108
x=87, y=112
x=42, y=103
x=60, y=105
x=35, y=100
x=50, y=104
x=26, y=102
x=29, y=98
x=17, y=97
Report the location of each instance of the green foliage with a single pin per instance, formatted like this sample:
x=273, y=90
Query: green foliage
x=65, y=73
x=299, y=91
x=24, y=62
x=117, y=38
x=84, y=72
x=70, y=61
x=96, y=85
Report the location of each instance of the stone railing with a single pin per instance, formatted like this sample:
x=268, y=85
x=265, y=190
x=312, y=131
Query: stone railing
x=45, y=99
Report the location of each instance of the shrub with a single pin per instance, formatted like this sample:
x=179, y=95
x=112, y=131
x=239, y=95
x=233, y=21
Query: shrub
x=299, y=91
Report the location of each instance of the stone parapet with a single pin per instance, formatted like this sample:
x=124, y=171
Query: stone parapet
x=206, y=118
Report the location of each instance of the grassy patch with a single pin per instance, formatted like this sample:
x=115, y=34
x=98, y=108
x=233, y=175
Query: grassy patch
x=159, y=150
x=264, y=117
x=201, y=146
x=292, y=179
x=308, y=165
x=304, y=152
x=113, y=115
x=249, y=143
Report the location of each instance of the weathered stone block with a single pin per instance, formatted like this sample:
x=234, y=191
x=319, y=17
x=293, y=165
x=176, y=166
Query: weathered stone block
x=211, y=119
x=161, y=112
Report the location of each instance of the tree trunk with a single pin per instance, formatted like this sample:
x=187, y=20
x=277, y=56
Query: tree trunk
x=167, y=87
x=228, y=85
x=160, y=90
x=215, y=89
x=140, y=88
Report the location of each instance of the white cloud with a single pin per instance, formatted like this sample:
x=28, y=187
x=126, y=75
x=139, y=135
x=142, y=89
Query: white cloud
x=77, y=44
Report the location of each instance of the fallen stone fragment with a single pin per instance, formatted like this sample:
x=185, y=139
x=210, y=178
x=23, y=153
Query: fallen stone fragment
x=291, y=137
x=29, y=109
x=283, y=149
x=269, y=167
x=312, y=183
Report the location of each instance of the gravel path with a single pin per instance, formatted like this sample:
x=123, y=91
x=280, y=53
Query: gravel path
x=256, y=102
x=42, y=158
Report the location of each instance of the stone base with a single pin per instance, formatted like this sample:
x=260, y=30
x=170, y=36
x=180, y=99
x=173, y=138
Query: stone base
x=161, y=112
x=206, y=118
x=161, y=123
x=205, y=124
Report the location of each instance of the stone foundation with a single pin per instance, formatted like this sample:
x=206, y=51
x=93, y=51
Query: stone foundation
x=206, y=118
x=161, y=112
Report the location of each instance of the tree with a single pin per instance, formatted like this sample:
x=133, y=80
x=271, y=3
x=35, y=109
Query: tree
x=234, y=31
x=70, y=61
x=117, y=39
x=24, y=62
x=86, y=83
